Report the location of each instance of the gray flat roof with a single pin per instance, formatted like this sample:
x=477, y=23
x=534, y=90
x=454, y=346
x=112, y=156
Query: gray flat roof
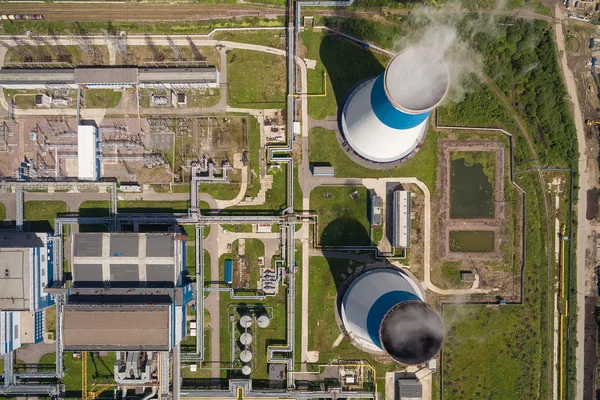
x=125, y=245
x=159, y=245
x=89, y=272
x=116, y=328
x=159, y=273
x=98, y=75
x=125, y=260
x=124, y=273
x=177, y=75
x=88, y=245
x=115, y=76
x=36, y=75
x=409, y=389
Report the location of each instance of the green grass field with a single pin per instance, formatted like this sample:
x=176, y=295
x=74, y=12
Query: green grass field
x=345, y=63
x=151, y=27
x=102, y=98
x=269, y=38
x=275, y=198
x=343, y=221
x=324, y=276
x=324, y=148
x=99, y=369
x=41, y=214
x=256, y=79
x=220, y=191
x=100, y=208
x=237, y=228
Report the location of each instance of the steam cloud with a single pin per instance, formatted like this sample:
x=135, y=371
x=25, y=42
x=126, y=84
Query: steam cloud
x=439, y=34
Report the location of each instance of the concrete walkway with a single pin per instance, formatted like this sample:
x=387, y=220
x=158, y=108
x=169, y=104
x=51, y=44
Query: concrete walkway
x=32, y=353
x=212, y=302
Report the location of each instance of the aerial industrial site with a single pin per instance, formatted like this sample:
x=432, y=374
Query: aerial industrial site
x=299, y=200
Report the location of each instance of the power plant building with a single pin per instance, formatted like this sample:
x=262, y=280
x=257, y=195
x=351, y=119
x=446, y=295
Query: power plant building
x=385, y=118
x=88, y=162
x=109, y=77
x=402, y=219
x=383, y=311
x=376, y=210
x=26, y=264
x=129, y=292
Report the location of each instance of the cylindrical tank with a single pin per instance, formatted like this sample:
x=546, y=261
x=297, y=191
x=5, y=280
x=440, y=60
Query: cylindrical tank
x=385, y=118
x=263, y=321
x=246, y=356
x=383, y=312
x=246, y=321
x=246, y=338
x=246, y=370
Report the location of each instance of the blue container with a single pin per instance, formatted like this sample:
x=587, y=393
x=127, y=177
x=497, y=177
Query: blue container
x=228, y=272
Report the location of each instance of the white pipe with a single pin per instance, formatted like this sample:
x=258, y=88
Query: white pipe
x=152, y=394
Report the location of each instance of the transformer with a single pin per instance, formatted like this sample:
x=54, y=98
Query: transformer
x=383, y=312
x=385, y=118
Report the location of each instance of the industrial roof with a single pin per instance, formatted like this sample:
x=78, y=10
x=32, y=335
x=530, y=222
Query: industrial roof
x=95, y=75
x=86, y=153
x=113, y=76
x=15, y=264
x=35, y=75
x=409, y=389
x=125, y=259
x=178, y=75
x=115, y=328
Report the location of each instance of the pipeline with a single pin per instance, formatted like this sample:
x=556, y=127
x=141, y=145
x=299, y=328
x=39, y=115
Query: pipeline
x=151, y=394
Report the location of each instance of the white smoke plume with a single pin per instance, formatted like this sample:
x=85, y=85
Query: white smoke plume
x=436, y=29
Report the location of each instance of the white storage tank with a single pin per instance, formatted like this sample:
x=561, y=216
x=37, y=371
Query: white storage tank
x=246, y=321
x=246, y=338
x=263, y=321
x=246, y=356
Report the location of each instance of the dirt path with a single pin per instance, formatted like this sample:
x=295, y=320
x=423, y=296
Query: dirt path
x=583, y=225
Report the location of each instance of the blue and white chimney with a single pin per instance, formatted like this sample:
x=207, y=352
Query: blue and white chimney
x=383, y=312
x=385, y=118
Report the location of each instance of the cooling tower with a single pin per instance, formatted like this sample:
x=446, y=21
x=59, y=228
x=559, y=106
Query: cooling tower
x=385, y=118
x=383, y=312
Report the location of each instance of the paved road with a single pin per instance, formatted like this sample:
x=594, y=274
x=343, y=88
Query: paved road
x=33, y=352
x=583, y=225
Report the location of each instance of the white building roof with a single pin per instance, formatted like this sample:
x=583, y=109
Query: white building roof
x=86, y=153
